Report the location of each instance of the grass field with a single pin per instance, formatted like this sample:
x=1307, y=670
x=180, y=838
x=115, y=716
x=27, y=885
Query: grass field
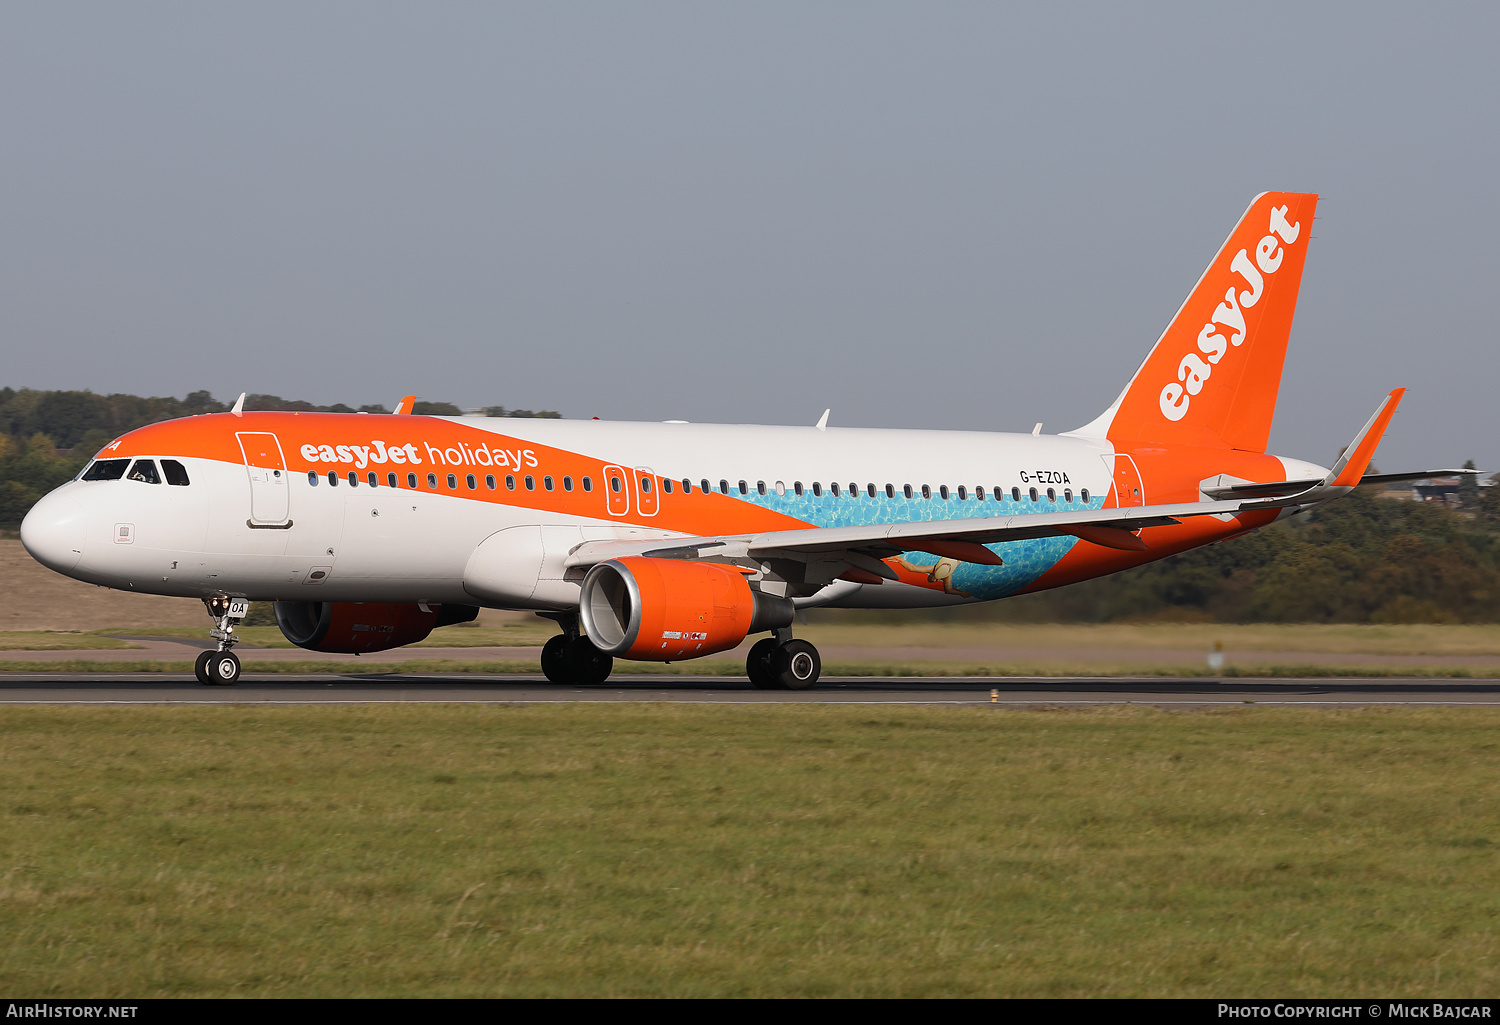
x=528, y=632
x=1329, y=638
x=1397, y=639
x=56, y=640
x=765, y=850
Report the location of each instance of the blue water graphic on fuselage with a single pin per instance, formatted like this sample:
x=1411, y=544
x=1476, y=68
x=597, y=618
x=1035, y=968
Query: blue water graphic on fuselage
x=1025, y=560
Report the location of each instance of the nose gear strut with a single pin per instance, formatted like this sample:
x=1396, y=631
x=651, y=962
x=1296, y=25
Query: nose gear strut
x=222, y=665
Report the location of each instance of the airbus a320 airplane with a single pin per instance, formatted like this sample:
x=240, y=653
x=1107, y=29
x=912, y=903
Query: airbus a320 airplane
x=671, y=541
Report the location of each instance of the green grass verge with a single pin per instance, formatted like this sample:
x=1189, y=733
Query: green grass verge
x=699, y=850
x=719, y=667
x=520, y=635
x=57, y=640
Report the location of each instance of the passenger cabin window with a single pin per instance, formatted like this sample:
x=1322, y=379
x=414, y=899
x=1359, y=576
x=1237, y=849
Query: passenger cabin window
x=353, y=479
x=530, y=482
x=1015, y=494
x=817, y=490
x=510, y=482
x=1033, y=494
x=333, y=478
x=906, y=490
x=567, y=483
x=312, y=477
x=588, y=484
x=687, y=486
x=666, y=484
x=704, y=485
x=452, y=482
x=744, y=488
x=797, y=488
x=374, y=480
x=432, y=481
x=833, y=489
x=645, y=484
x=547, y=482
x=471, y=481
x=943, y=490
x=926, y=491
x=106, y=469
x=1083, y=495
x=963, y=493
x=176, y=473
x=1051, y=494
x=144, y=470
x=890, y=491
x=760, y=487
x=411, y=480
x=1067, y=494
x=978, y=493
x=390, y=479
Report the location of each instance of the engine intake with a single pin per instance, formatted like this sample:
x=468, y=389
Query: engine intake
x=661, y=610
x=353, y=627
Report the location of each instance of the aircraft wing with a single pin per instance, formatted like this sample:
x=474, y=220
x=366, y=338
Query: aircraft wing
x=863, y=547
x=959, y=539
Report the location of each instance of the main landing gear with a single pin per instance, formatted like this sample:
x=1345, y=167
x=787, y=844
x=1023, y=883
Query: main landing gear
x=221, y=667
x=571, y=658
x=780, y=662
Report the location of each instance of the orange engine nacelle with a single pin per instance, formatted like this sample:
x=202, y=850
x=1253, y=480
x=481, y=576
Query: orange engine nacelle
x=660, y=610
x=354, y=627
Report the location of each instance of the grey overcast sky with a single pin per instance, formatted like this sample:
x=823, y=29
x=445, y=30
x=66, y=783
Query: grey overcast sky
x=937, y=215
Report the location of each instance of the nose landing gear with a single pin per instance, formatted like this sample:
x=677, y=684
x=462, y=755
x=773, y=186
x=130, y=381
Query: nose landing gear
x=221, y=667
x=781, y=662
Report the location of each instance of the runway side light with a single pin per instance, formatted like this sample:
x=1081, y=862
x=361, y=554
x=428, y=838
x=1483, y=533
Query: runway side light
x=1216, y=658
x=994, y=696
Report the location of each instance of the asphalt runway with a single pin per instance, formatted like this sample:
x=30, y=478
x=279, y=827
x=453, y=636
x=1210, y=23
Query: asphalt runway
x=1049, y=692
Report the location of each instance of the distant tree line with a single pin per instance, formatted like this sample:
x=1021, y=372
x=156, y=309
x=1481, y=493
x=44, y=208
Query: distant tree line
x=46, y=437
x=1361, y=559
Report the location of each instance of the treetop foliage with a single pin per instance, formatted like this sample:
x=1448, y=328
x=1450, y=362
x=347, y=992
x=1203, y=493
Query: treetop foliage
x=46, y=437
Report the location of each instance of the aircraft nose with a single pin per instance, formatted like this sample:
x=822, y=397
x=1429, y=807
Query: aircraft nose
x=53, y=532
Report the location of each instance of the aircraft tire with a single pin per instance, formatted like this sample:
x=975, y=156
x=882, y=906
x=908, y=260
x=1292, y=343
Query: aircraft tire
x=585, y=665
x=796, y=665
x=554, y=659
x=200, y=667
x=758, y=664
x=224, y=668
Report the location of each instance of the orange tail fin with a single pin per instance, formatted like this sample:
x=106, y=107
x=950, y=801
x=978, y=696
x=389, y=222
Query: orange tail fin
x=1213, y=376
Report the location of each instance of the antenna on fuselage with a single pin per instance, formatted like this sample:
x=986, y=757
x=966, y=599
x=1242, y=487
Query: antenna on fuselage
x=239, y=405
x=823, y=420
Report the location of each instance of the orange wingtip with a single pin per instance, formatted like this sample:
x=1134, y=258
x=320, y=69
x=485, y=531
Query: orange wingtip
x=1363, y=449
x=404, y=407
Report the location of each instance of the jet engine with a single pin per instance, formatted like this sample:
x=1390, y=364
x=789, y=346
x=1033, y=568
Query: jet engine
x=354, y=627
x=660, y=610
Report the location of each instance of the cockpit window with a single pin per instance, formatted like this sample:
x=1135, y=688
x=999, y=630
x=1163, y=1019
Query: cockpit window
x=176, y=473
x=106, y=469
x=144, y=470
